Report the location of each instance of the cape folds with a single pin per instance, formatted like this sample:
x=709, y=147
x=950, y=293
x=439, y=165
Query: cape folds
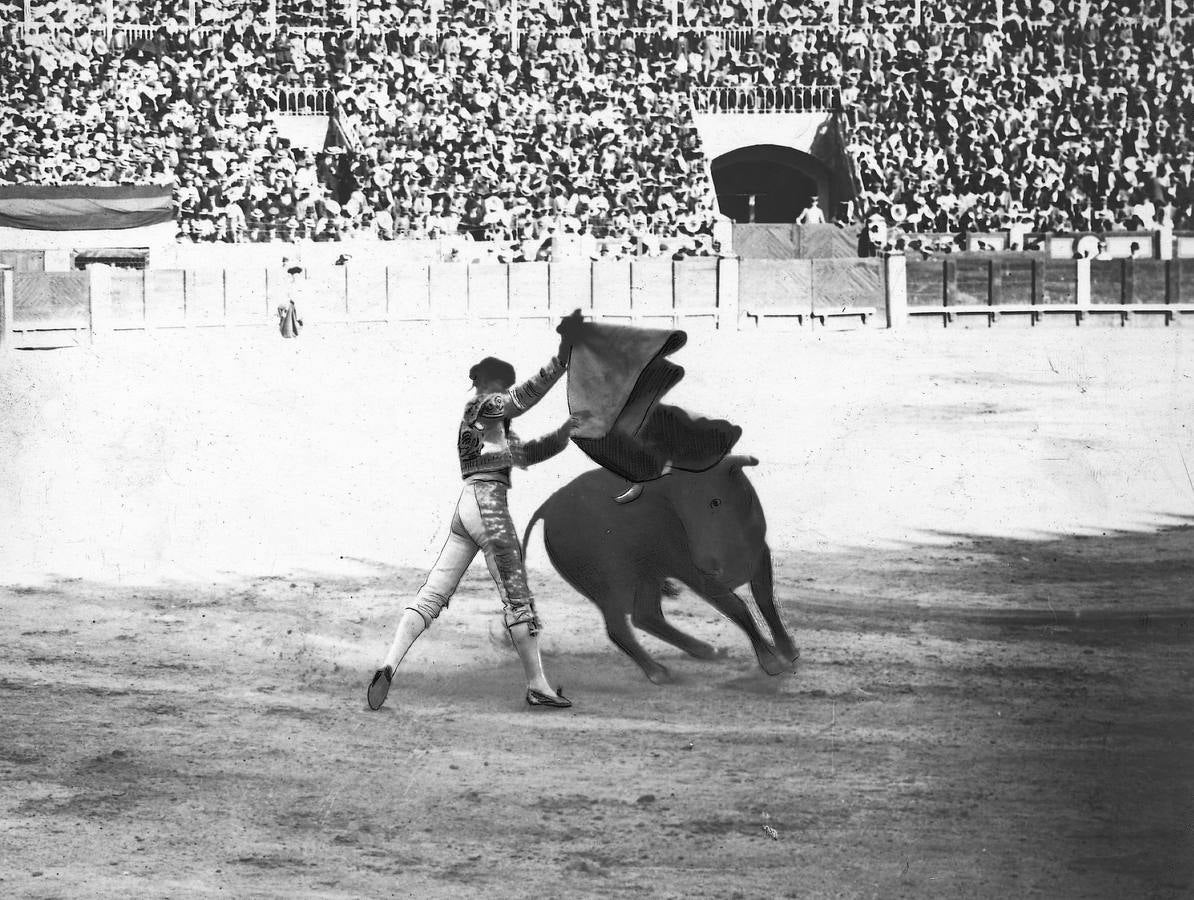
x=81, y=207
x=618, y=375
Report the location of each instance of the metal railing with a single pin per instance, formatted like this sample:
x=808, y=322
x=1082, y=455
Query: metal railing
x=305, y=101
x=135, y=32
x=736, y=38
x=759, y=99
x=733, y=38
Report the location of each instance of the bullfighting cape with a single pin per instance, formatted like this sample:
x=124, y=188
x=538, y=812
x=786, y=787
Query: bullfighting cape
x=617, y=374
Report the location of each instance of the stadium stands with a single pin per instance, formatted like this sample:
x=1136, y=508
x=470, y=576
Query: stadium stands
x=1054, y=115
x=1079, y=126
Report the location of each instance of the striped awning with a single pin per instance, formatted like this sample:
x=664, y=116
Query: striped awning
x=80, y=207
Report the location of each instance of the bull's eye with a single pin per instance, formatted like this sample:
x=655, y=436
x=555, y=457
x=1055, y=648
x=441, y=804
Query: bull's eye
x=714, y=503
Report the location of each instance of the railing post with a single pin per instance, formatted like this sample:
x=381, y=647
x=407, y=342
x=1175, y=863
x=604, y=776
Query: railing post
x=99, y=301
x=994, y=283
x=6, y=288
x=1164, y=239
x=727, y=293
x=1083, y=288
x=896, y=290
x=951, y=283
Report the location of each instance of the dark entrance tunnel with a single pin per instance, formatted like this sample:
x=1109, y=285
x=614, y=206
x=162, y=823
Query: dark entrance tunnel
x=767, y=183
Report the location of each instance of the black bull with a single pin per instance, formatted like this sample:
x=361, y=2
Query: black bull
x=706, y=530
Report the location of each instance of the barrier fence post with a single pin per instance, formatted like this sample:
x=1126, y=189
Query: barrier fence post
x=1164, y=236
x=896, y=265
x=6, y=288
x=99, y=300
x=1083, y=288
x=1038, y=283
x=727, y=293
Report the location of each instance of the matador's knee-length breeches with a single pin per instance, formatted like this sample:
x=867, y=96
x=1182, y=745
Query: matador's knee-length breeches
x=481, y=523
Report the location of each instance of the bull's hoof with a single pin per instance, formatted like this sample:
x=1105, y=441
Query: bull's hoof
x=708, y=652
x=788, y=650
x=659, y=675
x=774, y=664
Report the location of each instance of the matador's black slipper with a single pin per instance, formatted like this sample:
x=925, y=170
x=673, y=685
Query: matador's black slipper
x=538, y=698
x=380, y=686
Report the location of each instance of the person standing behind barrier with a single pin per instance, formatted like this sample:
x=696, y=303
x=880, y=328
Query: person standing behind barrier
x=812, y=214
x=289, y=322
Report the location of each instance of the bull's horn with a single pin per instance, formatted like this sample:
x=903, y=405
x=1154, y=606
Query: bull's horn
x=739, y=461
x=631, y=493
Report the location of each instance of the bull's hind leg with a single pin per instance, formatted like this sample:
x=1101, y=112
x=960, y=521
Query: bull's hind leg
x=622, y=634
x=609, y=595
x=763, y=589
x=648, y=615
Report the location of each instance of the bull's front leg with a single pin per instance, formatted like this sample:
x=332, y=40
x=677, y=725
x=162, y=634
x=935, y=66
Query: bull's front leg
x=734, y=607
x=763, y=588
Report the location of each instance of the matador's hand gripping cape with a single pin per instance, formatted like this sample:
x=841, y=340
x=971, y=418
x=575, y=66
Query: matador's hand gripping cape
x=618, y=375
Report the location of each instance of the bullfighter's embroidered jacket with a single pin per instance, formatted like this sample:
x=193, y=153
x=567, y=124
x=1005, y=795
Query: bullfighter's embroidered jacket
x=486, y=444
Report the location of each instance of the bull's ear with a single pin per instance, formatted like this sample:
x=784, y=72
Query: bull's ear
x=737, y=462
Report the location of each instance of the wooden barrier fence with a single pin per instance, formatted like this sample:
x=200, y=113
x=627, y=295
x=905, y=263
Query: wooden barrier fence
x=57, y=309
x=65, y=308
x=1014, y=290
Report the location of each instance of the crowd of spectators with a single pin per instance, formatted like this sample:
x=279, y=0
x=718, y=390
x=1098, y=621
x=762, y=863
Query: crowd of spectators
x=507, y=145
x=463, y=135
x=1042, y=115
x=1073, y=125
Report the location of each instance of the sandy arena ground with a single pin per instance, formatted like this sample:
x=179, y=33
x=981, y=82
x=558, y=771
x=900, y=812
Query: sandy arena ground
x=984, y=546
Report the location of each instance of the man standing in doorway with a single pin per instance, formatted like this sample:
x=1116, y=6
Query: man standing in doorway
x=812, y=214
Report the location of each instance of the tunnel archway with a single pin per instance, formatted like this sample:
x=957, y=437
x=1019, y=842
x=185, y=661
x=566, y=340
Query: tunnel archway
x=768, y=183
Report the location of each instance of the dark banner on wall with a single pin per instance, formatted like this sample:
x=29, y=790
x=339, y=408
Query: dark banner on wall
x=79, y=207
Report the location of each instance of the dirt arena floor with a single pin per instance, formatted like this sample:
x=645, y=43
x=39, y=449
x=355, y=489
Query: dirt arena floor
x=984, y=545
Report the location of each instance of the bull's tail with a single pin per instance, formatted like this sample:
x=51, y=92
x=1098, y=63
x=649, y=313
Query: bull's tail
x=526, y=535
